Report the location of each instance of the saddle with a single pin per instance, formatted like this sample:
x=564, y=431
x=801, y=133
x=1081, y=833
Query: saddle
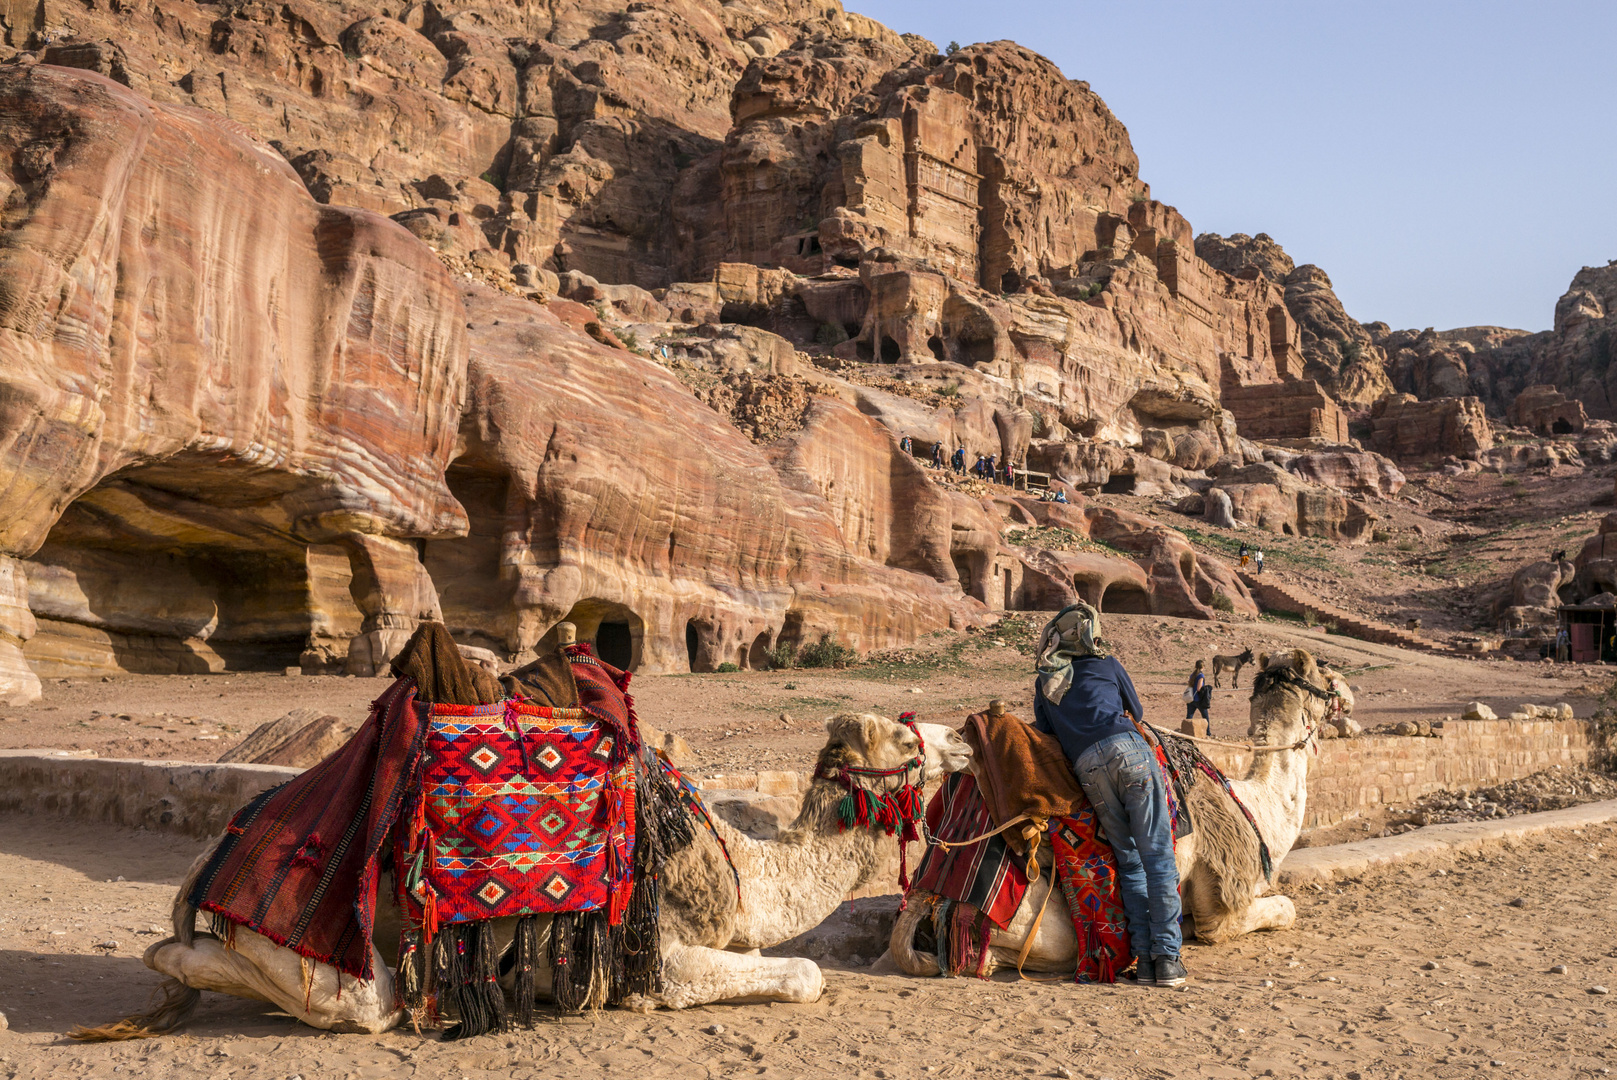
x=489, y=804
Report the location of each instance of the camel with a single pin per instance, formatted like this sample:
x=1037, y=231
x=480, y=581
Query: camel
x=1233, y=664
x=1220, y=874
x=710, y=938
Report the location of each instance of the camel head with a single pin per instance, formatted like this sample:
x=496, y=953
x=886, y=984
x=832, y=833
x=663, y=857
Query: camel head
x=1290, y=698
x=868, y=741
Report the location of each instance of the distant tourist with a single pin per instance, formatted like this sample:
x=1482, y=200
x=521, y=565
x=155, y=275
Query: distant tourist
x=989, y=469
x=1010, y=474
x=1258, y=562
x=1061, y=496
x=1245, y=556
x=1198, y=698
x=959, y=460
x=937, y=455
x=905, y=445
x=1563, y=646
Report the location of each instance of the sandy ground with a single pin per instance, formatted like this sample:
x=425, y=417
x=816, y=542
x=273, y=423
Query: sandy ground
x=1342, y=996
x=733, y=722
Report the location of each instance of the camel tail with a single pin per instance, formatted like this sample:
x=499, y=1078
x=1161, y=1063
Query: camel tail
x=178, y=1003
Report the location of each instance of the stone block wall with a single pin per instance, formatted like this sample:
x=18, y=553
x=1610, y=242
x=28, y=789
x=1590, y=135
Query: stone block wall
x=1355, y=776
x=1300, y=409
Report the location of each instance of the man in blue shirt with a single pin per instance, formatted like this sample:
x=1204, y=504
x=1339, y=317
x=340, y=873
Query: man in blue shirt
x=1086, y=700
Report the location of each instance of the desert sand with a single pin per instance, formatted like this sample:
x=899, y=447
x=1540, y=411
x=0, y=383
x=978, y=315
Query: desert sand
x=1345, y=995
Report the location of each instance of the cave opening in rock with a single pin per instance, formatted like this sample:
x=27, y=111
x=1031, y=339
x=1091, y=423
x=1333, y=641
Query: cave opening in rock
x=846, y=261
x=1118, y=484
x=971, y=328
x=890, y=352
x=617, y=633
x=176, y=568
x=758, y=655
x=1010, y=282
x=1561, y=427
x=692, y=643
x=851, y=329
x=614, y=644
x=1125, y=598
x=935, y=344
x=865, y=351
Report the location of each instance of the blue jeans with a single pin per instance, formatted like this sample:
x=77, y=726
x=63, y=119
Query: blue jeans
x=1121, y=776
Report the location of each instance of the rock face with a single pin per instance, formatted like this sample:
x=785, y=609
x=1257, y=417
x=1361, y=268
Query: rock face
x=1546, y=411
x=247, y=394
x=1271, y=498
x=1336, y=351
x=665, y=285
x=1408, y=430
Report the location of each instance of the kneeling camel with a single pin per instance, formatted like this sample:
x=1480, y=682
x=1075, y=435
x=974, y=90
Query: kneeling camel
x=710, y=938
x=1220, y=871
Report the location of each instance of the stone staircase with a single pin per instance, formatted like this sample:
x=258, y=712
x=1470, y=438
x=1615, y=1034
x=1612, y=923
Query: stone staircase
x=1279, y=596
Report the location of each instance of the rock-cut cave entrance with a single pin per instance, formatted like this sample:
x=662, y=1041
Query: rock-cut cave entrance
x=1125, y=598
x=616, y=631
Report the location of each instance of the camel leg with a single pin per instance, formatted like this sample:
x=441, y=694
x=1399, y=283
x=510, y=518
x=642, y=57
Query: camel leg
x=694, y=975
x=259, y=970
x=1216, y=924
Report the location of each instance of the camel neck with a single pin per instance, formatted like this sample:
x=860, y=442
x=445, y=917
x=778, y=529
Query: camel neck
x=792, y=884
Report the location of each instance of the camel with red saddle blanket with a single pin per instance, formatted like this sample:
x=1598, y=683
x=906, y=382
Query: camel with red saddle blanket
x=1222, y=883
x=724, y=896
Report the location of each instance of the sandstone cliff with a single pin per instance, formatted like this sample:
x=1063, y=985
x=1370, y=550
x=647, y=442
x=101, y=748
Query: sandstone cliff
x=245, y=420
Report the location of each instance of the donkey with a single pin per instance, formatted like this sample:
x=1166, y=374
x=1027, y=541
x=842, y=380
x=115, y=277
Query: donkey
x=1233, y=664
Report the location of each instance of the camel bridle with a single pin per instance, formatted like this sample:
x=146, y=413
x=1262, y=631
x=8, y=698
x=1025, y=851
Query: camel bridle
x=897, y=812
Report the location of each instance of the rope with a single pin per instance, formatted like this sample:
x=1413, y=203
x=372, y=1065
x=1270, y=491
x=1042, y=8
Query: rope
x=1300, y=744
x=947, y=844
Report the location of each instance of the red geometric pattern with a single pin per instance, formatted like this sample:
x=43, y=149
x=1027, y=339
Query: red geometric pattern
x=521, y=810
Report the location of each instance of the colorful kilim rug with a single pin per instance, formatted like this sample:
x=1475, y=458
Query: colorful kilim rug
x=986, y=875
x=981, y=886
x=522, y=810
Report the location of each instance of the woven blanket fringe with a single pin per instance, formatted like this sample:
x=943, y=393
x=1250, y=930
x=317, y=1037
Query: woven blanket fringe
x=466, y=971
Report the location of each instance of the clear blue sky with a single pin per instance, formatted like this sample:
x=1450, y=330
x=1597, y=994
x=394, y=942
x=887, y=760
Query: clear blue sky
x=1447, y=163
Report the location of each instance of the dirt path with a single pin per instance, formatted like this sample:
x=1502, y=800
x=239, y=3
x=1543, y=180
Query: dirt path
x=1343, y=995
x=733, y=721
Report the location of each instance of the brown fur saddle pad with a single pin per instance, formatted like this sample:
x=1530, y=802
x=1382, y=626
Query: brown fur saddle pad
x=1021, y=771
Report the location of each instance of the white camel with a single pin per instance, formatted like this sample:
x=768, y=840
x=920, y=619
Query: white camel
x=1220, y=871
x=710, y=941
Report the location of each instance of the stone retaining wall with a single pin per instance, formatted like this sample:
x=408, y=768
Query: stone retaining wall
x=1354, y=776
x=187, y=797
x=1347, y=778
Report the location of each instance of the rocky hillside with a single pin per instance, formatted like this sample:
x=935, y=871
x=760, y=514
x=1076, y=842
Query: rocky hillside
x=318, y=319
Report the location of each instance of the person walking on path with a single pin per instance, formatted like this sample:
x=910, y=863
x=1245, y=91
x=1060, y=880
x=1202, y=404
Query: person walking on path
x=1245, y=558
x=1084, y=697
x=1199, y=698
x=907, y=446
x=959, y=460
x=1258, y=562
x=937, y=455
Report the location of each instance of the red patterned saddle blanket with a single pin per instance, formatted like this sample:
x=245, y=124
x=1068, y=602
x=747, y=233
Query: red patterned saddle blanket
x=522, y=810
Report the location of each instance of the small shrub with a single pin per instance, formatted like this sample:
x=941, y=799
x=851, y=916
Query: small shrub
x=1352, y=351
x=727, y=667
x=830, y=335
x=954, y=47
x=1038, y=423
x=1381, y=536
x=1406, y=545
x=496, y=179
x=782, y=656
x=825, y=653
x=952, y=390
x=1310, y=619
x=630, y=339
x=1222, y=602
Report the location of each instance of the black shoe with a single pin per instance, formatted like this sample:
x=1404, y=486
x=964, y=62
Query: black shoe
x=1142, y=974
x=1168, y=971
